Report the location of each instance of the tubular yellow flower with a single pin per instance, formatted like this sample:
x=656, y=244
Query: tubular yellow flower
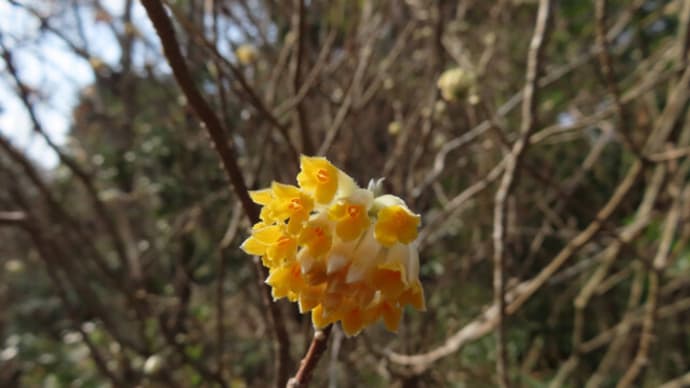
x=316, y=238
x=320, y=319
x=351, y=220
x=391, y=313
x=282, y=249
x=389, y=282
x=336, y=250
x=351, y=214
x=286, y=281
x=310, y=297
x=396, y=224
x=414, y=296
x=284, y=202
x=353, y=321
x=263, y=198
x=290, y=203
x=318, y=178
x=272, y=243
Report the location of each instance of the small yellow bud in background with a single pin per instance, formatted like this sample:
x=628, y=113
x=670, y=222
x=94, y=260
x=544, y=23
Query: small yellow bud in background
x=290, y=38
x=394, y=128
x=246, y=54
x=439, y=140
x=457, y=83
x=337, y=95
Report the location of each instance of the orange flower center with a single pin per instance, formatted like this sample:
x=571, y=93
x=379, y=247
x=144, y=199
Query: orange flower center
x=319, y=232
x=399, y=218
x=295, y=205
x=322, y=176
x=353, y=211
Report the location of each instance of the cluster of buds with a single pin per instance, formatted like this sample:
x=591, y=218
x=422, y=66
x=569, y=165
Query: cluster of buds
x=336, y=249
x=458, y=83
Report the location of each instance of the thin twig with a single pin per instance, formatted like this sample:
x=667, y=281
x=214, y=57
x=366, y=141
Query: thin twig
x=12, y=218
x=610, y=77
x=679, y=382
x=346, y=106
x=253, y=97
x=301, y=114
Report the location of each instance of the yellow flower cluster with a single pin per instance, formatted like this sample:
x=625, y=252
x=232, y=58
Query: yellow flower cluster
x=336, y=249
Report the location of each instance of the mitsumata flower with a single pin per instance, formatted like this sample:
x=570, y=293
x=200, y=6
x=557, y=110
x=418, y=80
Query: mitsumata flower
x=341, y=253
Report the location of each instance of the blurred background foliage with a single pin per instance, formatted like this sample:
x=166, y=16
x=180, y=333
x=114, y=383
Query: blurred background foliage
x=119, y=264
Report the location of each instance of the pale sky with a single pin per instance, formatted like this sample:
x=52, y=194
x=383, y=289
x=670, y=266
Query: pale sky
x=46, y=64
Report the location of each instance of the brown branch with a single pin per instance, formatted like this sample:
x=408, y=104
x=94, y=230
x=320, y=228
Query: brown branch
x=648, y=324
x=435, y=222
x=634, y=319
x=684, y=34
x=610, y=77
x=513, y=161
x=230, y=233
x=347, y=104
x=301, y=114
x=309, y=81
x=316, y=349
x=429, y=125
x=659, y=264
x=215, y=129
